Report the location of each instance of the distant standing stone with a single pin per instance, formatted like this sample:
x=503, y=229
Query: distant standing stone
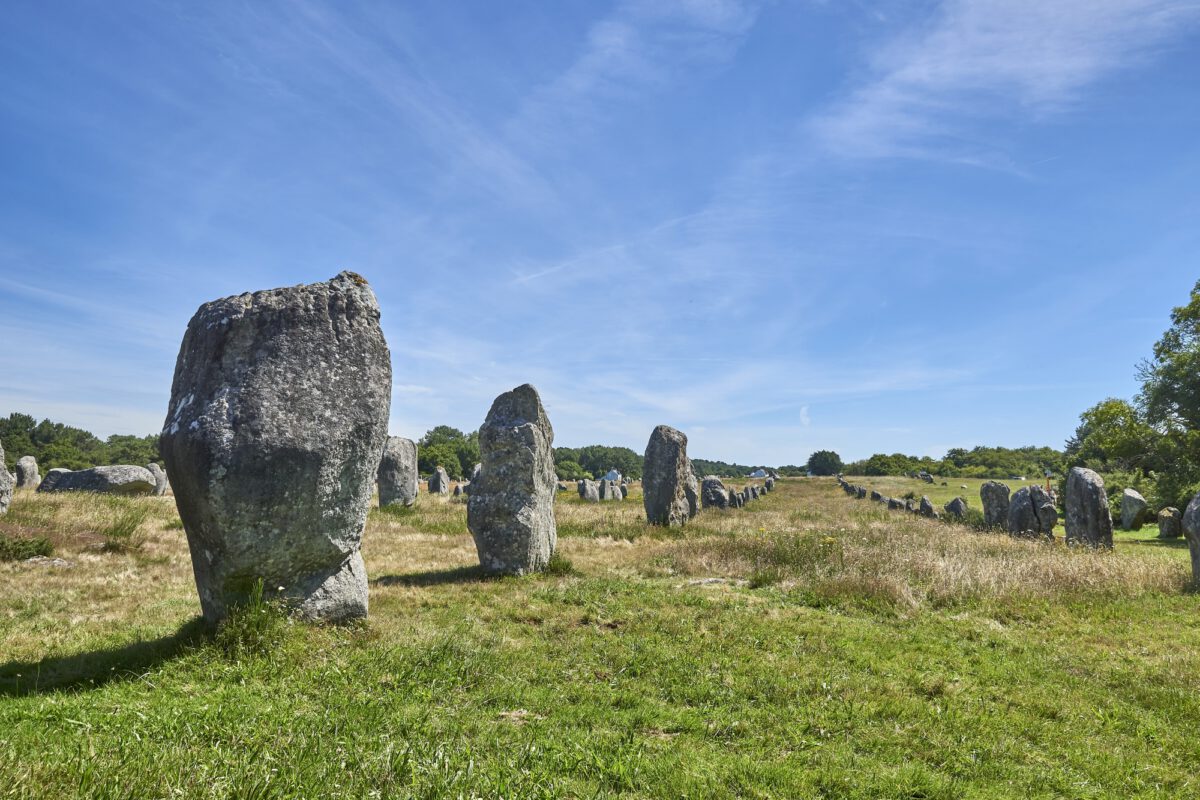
x=511, y=509
x=1088, y=520
x=397, y=474
x=770, y=484
x=895, y=504
x=273, y=436
x=624, y=491
x=160, y=478
x=860, y=492
x=957, y=508
x=7, y=483
x=927, y=509
x=589, y=491
x=876, y=496
x=610, y=490
x=439, y=482
x=27, y=473
x=1133, y=506
x=123, y=479
x=458, y=490
x=1031, y=514
x=995, y=497
x=1170, y=523
x=713, y=493
x=670, y=493
x=1191, y=529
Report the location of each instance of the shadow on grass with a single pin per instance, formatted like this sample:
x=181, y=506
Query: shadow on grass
x=440, y=577
x=1174, y=544
x=98, y=667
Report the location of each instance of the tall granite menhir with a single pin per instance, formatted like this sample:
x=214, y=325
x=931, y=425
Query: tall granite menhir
x=7, y=483
x=1088, y=519
x=995, y=504
x=397, y=475
x=670, y=492
x=278, y=416
x=510, y=511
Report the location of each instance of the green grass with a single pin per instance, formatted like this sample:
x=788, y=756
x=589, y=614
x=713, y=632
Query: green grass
x=19, y=548
x=818, y=647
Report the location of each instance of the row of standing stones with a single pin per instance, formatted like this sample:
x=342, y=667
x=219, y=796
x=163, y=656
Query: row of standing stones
x=276, y=435
x=1030, y=512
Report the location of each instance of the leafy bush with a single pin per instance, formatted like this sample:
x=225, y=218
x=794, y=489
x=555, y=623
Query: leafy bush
x=19, y=548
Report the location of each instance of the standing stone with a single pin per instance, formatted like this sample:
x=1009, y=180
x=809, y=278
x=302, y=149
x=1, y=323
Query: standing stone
x=770, y=484
x=397, y=473
x=1133, y=506
x=458, y=490
x=1170, y=523
x=876, y=496
x=124, y=479
x=1031, y=514
x=160, y=478
x=273, y=436
x=1088, y=520
x=927, y=509
x=860, y=492
x=511, y=509
x=624, y=491
x=7, y=483
x=713, y=493
x=995, y=504
x=439, y=481
x=895, y=504
x=610, y=490
x=27, y=473
x=956, y=508
x=1191, y=529
x=589, y=491
x=669, y=490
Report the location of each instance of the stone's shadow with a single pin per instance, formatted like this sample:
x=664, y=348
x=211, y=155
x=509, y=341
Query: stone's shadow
x=1177, y=544
x=472, y=574
x=96, y=668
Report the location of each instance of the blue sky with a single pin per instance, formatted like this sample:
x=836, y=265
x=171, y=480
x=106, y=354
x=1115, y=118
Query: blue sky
x=779, y=226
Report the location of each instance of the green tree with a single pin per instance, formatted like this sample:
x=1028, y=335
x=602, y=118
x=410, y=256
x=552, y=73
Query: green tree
x=825, y=462
x=1113, y=435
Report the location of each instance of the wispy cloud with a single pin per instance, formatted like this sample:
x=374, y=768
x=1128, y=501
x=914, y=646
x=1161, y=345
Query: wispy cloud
x=643, y=46
x=980, y=60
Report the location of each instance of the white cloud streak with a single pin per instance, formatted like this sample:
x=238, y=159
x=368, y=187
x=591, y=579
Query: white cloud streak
x=980, y=60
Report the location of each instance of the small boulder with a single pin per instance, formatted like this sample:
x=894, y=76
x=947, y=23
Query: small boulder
x=926, y=508
x=589, y=491
x=876, y=496
x=895, y=504
x=956, y=508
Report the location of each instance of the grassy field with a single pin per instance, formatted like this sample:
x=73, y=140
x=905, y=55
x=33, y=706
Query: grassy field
x=809, y=645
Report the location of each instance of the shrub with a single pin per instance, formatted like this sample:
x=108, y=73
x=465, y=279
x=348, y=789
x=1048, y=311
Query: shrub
x=19, y=548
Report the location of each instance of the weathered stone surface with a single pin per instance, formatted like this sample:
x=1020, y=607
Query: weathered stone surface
x=956, y=508
x=735, y=499
x=770, y=484
x=713, y=493
x=926, y=509
x=397, y=473
x=161, y=484
x=120, y=479
x=895, y=504
x=1191, y=529
x=1170, y=523
x=995, y=498
x=669, y=490
x=1031, y=514
x=51, y=480
x=624, y=491
x=28, y=476
x=860, y=492
x=273, y=436
x=511, y=509
x=7, y=483
x=876, y=496
x=610, y=490
x=1133, y=507
x=589, y=490
x=1088, y=520
x=458, y=490
x=925, y=476
x=439, y=482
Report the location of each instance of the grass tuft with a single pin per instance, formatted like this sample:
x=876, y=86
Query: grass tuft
x=19, y=548
x=254, y=629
